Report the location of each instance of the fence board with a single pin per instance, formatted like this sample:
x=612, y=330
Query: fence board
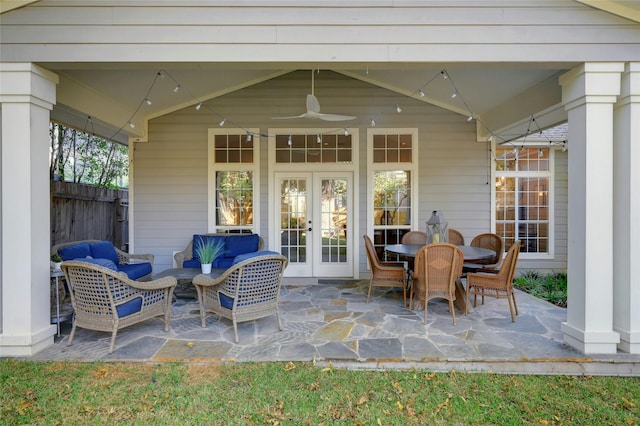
x=81, y=212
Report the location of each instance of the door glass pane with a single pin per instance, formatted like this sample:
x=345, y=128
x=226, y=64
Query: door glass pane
x=391, y=207
x=333, y=220
x=293, y=207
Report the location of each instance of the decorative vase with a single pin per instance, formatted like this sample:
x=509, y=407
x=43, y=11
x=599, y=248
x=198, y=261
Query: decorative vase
x=206, y=268
x=55, y=265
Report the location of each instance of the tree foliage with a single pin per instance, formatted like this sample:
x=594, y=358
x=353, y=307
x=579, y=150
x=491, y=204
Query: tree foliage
x=76, y=156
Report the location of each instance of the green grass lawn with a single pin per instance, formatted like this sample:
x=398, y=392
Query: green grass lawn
x=302, y=394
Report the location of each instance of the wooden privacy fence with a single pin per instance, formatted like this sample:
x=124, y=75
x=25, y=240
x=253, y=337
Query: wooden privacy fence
x=81, y=212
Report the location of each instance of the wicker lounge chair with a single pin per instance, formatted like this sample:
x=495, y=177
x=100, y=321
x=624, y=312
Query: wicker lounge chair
x=107, y=300
x=437, y=267
x=248, y=290
x=385, y=274
x=498, y=285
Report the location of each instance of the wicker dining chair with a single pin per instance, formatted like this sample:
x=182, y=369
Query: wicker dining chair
x=498, y=285
x=248, y=290
x=107, y=300
x=456, y=237
x=414, y=237
x=385, y=274
x=437, y=267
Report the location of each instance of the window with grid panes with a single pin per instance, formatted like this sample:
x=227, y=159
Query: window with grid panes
x=234, y=183
x=392, y=161
x=522, y=194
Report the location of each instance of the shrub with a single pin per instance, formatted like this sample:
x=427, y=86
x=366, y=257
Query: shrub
x=551, y=287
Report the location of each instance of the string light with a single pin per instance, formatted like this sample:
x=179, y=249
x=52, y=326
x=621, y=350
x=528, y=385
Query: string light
x=289, y=141
x=470, y=117
x=421, y=93
x=248, y=137
x=131, y=124
x=199, y=106
x=398, y=109
x=224, y=120
x=147, y=101
x=454, y=94
x=176, y=89
x=318, y=139
x=373, y=123
x=346, y=132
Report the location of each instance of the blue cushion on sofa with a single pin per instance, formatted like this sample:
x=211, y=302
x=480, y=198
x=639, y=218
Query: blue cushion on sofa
x=240, y=244
x=135, y=270
x=130, y=307
x=191, y=263
x=242, y=257
x=104, y=250
x=75, y=251
x=107, y=263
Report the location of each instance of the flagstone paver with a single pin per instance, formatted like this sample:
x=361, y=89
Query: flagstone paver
x=331, y=321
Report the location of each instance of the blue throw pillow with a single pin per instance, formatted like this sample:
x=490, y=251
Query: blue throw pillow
x=198, y=240
x=242, y=257
x=136, y=270
x=241, y=244
x=104, y=250
x=107, y=263
x=74, y=252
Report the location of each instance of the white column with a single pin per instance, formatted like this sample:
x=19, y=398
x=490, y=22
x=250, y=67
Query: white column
x=27, y=94
x=626, y=211
x=588, y=93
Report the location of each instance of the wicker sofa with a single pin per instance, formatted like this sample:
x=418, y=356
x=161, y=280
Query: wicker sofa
x=136, y=266
x=234, y=245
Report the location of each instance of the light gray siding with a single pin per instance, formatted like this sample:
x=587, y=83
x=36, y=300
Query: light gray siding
x=170, y=182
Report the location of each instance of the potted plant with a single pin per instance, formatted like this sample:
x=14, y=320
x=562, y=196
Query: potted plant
x=56, y=261
x=206, y=251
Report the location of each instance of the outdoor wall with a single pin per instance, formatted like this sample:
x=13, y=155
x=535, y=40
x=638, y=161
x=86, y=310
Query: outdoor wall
x=170, y=177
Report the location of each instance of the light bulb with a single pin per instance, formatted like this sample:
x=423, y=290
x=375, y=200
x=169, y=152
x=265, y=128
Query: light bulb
x=318, y=139
x=398, y=109
x=490, y=138
x=421, y=93
x=248, y=137
x=289, y=141
x=176, y=89
x=373, y=123
x=224, y=120
x=470, y=117
x=444, y=74
x=131, y=125
x=540, y=153
x=454, y=94
x=198, y=106
x=147, y=101
x=346, y=132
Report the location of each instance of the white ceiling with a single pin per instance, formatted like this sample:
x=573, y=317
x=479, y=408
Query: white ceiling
x=484, y=89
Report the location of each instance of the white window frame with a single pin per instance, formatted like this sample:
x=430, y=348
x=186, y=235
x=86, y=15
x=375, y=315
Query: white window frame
x=214, y=167
x=550, y=174
x=412, y=167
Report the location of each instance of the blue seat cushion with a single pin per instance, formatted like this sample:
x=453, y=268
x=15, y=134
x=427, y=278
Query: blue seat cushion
x=107, y=263
x=75, y=251
x=223, y=262
x=242, y=257
x=198, y=240
x=225, y=301
x=241, y=244
x=130, y=307
x=191, y=263
x=104, y=250
x=135, y=270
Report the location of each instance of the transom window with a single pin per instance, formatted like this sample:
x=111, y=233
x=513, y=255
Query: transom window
x=524, y=198
x=315, y=148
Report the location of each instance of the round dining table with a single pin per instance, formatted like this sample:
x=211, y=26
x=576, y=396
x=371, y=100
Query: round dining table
x=470, y=254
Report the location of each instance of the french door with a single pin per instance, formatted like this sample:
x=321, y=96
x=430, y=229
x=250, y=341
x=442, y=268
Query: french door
x=314, y=223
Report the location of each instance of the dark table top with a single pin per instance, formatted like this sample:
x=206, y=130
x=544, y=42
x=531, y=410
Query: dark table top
x=470, y=253
x=187, y=273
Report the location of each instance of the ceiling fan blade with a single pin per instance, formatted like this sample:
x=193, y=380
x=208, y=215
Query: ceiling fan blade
x=313, y=105
x=289, y=118
x=335, y=117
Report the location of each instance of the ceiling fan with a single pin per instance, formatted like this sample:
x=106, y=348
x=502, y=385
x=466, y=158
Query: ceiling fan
x=313, y=109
